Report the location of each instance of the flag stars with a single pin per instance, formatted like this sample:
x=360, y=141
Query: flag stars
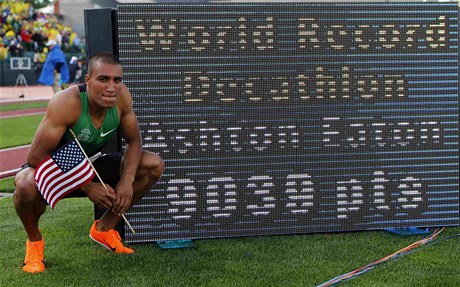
x=68, y=157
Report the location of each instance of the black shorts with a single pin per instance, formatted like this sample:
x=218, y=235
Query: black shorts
x=108, y=168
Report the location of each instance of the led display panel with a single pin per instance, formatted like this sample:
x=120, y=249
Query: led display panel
x=285, y=118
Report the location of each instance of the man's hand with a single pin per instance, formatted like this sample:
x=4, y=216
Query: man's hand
x=124, y=195
x=101, y=196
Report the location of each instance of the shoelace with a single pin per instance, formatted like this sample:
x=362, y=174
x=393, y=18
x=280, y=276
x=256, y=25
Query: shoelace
x=115, y=234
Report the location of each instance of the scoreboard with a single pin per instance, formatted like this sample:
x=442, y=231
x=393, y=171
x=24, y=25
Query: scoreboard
x=283, y=118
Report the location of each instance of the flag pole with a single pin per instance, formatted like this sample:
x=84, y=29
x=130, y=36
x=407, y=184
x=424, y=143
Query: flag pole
x=100, y=179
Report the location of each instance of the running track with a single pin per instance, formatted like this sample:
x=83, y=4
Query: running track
x=11, y=159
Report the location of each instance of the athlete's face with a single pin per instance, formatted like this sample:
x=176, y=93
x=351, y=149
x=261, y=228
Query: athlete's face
x=104, y=84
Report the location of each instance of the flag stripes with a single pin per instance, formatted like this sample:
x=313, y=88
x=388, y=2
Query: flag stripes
x=62, y=172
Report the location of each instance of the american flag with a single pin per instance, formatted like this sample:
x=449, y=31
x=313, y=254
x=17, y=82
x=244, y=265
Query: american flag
x=62, y=172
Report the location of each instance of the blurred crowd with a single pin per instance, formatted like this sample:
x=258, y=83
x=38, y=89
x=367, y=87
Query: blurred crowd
x=25, y=32
x=22, y=29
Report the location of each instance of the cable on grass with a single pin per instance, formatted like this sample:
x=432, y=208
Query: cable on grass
x=404, y=251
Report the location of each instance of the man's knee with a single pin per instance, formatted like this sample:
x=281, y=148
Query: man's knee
x=152, y=165
x=26, y=188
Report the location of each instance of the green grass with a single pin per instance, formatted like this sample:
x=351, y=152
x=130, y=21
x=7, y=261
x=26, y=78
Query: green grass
x=7, y=184
x=23, y=106
x=73, y=259
x=18, y=131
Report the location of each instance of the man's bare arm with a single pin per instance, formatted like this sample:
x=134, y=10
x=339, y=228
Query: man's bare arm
x=62, y=111
x=131, y=133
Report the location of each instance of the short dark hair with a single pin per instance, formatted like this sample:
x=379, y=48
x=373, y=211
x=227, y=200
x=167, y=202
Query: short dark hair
x=104, y=57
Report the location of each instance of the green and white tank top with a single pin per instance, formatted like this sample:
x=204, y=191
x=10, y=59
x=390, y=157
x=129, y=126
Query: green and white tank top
x=91, y=139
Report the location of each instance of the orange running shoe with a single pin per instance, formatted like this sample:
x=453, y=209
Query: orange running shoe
x=33, y=263
x=109, y=239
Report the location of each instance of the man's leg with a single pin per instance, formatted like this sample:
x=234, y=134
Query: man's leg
x=30, y=205
x=56, y=86
x=149, y=171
